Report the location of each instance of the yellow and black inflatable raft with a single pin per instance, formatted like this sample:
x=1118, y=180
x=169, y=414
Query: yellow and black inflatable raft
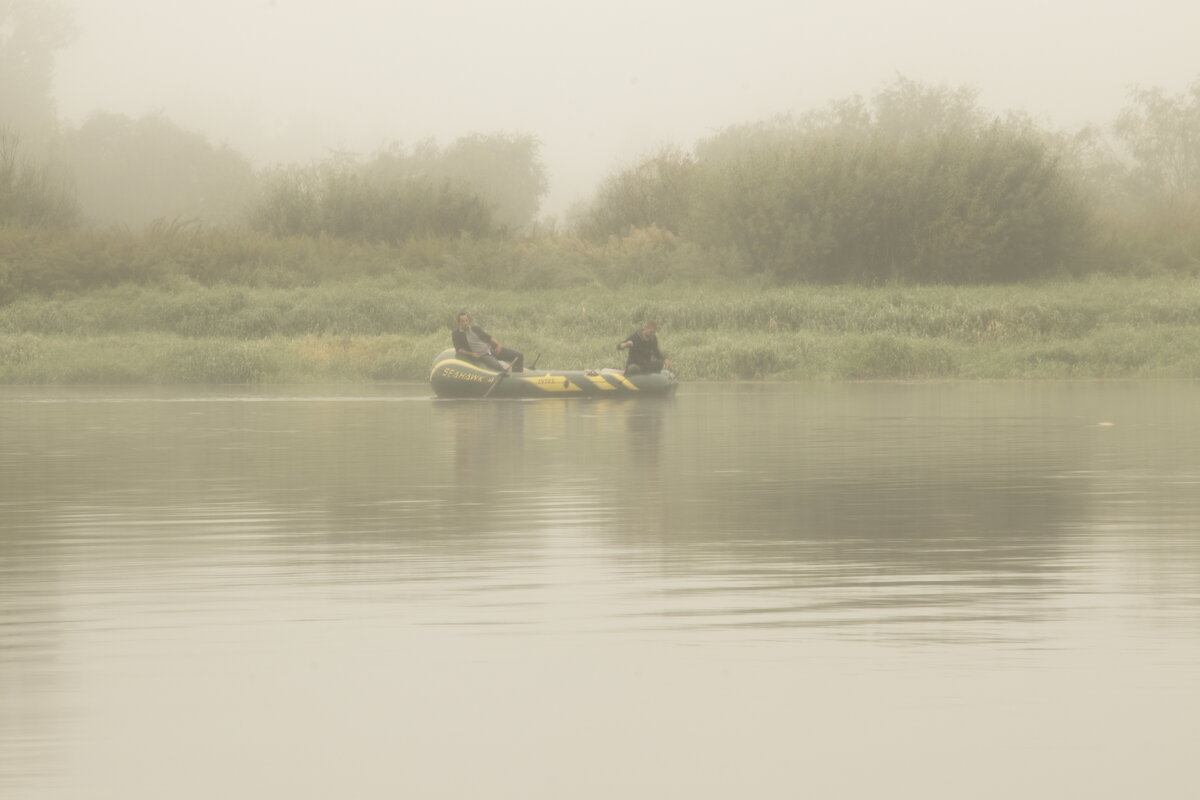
x=456, y=377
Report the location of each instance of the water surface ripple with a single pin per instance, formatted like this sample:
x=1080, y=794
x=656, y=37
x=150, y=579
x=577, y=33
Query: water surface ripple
x=854, y=590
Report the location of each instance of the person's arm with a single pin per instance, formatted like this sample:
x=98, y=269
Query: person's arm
x=625, y=345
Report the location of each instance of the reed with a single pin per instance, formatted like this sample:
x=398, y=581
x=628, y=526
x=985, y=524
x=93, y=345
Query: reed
x=387, y=330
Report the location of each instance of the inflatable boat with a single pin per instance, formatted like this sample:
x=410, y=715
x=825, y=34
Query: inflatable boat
x=456, y=377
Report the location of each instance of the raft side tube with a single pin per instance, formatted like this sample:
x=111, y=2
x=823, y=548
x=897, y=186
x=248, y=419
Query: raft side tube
x=452, y=376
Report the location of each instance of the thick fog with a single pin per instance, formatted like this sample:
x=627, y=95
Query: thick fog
x=599, y=83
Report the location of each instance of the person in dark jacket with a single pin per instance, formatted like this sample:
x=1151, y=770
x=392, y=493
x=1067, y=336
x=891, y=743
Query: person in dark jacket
x=644, y=355
x=473, y=343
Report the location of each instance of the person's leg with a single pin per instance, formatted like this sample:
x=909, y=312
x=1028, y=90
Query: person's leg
x=514, y=357
x=633, y=369
x=491, y=363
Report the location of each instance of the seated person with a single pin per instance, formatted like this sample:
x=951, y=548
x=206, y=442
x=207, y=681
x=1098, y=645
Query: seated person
x=644, y=355
x=473, y=343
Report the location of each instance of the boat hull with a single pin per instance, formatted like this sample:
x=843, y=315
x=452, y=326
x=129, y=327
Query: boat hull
x=455, y=377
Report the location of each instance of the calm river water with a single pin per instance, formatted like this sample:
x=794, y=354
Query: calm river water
x=946, y=590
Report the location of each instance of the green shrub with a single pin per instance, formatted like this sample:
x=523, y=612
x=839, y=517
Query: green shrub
x=655, y=193
x=971, y=206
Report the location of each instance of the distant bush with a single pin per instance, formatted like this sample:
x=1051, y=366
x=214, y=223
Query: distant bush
x=919, y=185
x=34, y=261
x=33, y=192
x=345, y=199
x=657, y=192
x=957, y=207
x=1153, y=222
x=479, y=186
x=136, y=171
x=1149, y=239
x=504, y=170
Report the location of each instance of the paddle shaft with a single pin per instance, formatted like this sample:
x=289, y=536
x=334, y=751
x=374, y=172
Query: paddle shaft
x=499, y=378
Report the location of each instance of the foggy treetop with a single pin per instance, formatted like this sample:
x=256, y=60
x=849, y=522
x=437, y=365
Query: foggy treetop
x=598, y=84
x=911, y=180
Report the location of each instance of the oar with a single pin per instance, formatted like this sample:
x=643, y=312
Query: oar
x=499, y=378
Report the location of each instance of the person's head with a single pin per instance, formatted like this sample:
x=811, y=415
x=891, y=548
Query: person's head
x=464, y=320
x=649, y=329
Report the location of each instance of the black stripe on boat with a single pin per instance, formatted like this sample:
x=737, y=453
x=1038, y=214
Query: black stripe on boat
x=452, y=376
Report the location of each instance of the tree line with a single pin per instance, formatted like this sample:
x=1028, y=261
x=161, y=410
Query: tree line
x=115, y=169
x=916, y=183
x=920, y=183
x=134, y=171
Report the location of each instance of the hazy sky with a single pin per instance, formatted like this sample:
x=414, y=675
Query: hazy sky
x=600, y=83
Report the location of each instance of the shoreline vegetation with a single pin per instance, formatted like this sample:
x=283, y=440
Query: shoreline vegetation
x=910, y=235
x=388, y=329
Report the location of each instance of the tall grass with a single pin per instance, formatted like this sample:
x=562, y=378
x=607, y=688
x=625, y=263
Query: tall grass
x=377, y=329
x=35, y=261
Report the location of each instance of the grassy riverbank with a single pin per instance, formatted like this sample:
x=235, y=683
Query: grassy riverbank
x=385, y=329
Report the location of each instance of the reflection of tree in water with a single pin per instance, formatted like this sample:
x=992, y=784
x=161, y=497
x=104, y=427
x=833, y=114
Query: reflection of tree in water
x=644, y=431
x=852, y=554
x=488, y=445
x=1145, y=509
x=38, y=460
x=843, y=517
x=892, y=503
x=29, y=671
x=865, y=519
x=644, y=504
